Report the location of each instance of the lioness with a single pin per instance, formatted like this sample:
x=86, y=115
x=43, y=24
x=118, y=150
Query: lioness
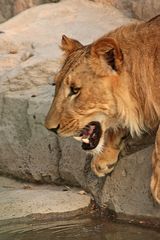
x=109, y=88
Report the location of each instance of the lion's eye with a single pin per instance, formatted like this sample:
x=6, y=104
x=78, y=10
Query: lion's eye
x=74, y=90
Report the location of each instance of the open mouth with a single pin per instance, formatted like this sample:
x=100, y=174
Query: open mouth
x=90, y=135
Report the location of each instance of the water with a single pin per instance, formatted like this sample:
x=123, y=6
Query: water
x=78, y=229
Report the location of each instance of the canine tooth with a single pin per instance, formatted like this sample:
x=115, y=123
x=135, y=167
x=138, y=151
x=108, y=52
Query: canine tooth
x=78, y=138
x=85, y=140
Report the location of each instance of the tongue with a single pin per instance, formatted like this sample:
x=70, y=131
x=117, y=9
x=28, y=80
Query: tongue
x=90, y=136
x=86, y=133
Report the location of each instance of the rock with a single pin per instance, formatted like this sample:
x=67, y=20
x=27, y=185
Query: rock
x=6, y=10
x=142, y=9
x=75, y=167
x=10, y=8
x=127, y=190
x=146, y=9
x=124, y=5
x=21, y=5
x=72, y=161
x=20, y=200
x=27, y=150
x=30, y=49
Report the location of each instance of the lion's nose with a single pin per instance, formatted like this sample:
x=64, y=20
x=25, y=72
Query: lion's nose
x=54, y=129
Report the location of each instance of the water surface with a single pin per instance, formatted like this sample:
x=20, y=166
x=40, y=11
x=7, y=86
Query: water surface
x=78, y=229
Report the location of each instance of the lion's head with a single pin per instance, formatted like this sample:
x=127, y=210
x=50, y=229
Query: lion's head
x=84, y=105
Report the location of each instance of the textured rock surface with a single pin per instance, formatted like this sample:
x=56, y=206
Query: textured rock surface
x=128, y=188
x=146, y=9
x=9, y=8
x=142, y=9
x=123, y=5
x=6, y=9
x=29, y=57
x=30, y=49
x=27, y=149
x=21, y=200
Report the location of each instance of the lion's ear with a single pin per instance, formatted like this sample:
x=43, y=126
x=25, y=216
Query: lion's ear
x=69, y=44
x=108, y=49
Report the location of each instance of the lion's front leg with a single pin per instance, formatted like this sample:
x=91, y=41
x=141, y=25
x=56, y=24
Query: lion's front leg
x=155, y=179
x=104, y=162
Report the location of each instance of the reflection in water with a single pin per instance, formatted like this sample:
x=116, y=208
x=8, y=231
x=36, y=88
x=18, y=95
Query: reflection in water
x=80, y=229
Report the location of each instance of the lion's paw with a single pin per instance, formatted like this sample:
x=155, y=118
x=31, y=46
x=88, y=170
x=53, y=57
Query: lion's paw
x=102, y=167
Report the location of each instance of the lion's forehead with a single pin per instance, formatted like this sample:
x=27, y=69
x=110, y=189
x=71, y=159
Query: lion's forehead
x=70, y=64
x=73, y=63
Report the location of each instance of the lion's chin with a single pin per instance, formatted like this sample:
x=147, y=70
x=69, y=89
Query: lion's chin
x=90, y=135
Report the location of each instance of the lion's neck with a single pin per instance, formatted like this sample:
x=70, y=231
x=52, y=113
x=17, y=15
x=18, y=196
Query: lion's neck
x=129, y=112
x=134, y=107
x=138, y=92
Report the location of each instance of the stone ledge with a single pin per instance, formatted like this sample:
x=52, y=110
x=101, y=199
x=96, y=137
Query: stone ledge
x=21, y=200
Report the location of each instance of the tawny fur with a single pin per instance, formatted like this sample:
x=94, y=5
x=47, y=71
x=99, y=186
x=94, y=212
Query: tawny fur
x=118, y=82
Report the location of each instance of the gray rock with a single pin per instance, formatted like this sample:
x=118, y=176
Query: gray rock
x=27, y=150
x=146, y=9
x=141, y=9
x=124, y=5
x=21, y=200
x=127, y=190
x=6, y=8
x=72, y=161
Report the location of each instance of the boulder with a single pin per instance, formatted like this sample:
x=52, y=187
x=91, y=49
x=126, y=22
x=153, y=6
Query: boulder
x=10, y=8
x=141, y=9
x=146, y=9
x=127, y=189
x=124, y=5
x=6, y=7
x=29, y=49
x=27, y=150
